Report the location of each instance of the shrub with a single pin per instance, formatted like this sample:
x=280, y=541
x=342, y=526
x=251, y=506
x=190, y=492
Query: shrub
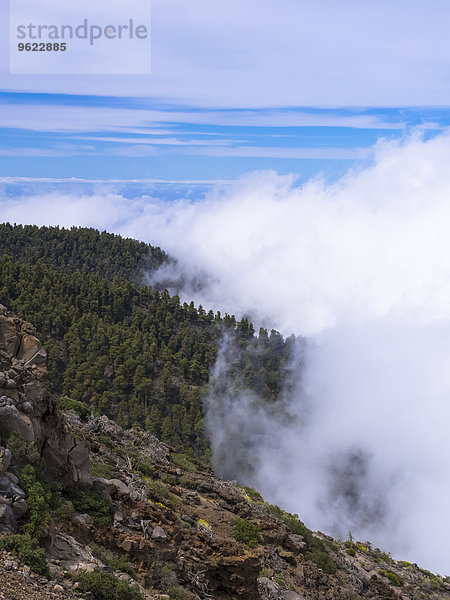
x=64, y=511
x=38, y=501
x=183, y=462
x=382, y=556
x=79, y=408
x=319, y=556
x=101, y=469
x=351, y=552
x=265, y=573
x=28, y=551
x=189, y=483
x=105, y=586
x=253, y=494
x=109, y=559
x=146, y=467
x=105, y=439
x=93, y=503
x=169, y=479
x=156, y=489
x=177, y=593
x=245, y=531
x=23, y=452
x=316, y=548
x=396, y=580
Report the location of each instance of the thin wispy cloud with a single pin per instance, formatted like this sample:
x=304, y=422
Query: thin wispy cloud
x=261, y=54
x=60, y=117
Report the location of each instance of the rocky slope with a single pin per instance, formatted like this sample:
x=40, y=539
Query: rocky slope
x=161, y=521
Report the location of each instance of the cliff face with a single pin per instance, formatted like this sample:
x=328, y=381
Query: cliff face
x=24, y=404
x=160, y=520
x=27, y=407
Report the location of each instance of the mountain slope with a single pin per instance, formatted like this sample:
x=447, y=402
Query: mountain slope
x=123, y=515
x=125, y=349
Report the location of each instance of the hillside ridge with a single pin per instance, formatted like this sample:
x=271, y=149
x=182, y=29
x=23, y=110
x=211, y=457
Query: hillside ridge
x=121, y=508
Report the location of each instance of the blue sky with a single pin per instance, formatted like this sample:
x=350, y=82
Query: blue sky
x=297, y=87
x=64, y=136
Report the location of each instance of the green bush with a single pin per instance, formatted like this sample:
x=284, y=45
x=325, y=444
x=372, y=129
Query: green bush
x=120, y=563
x=101, y=469
x=28, y=551
x=189, y=483
x=351, y=551
x=38, y=501
x=253, y=494
x=169, y=479
x=146, y=467
x=105, y=586
x=79, y=408
x=23, y=452
x=184, y=462
x=319, y=556
x=177, y=593
x=64, y=511
x=245, y=531
x=157, y=490
x=94, y=504
x=316, y=548
x=396, y=580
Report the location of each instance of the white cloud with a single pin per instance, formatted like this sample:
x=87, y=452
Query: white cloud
x=66, y=118
x=259, y=53
x=161, y=141
x=322, y=153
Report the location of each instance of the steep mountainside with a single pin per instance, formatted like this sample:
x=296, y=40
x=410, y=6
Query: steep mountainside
x=124, y=349
x=124, y=516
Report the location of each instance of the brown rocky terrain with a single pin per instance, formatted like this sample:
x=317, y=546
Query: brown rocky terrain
x=168, y=526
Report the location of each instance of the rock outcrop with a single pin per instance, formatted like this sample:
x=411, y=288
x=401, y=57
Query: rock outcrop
x=28, y=408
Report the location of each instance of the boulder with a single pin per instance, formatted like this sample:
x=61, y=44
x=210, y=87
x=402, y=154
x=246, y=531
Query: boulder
x=8, y=521
x=83, y=519
x=12, y=420
x=29, y=347
x=147, y=528
x=104, y=486
x=71, y=553
x=19, y=507
x=9, y=336
x=120, y=488
x=67, y=459
x=159, y=534
x=8, y=489
x=13, y=478
x=5, y=459
x=268, y=589
x=295, y=542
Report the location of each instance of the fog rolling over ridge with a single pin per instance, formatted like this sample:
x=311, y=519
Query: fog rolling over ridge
x=361, y=268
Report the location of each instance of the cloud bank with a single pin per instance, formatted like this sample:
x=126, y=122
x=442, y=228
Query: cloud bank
x=361, y=267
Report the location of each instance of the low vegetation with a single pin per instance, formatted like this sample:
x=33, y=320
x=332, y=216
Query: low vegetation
x=317, y=549
x=94, y=504
x=108, y=558
x=245, y=531
x=106, y=586
x=396, y=580
x=27, y=549
x=100, y=469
